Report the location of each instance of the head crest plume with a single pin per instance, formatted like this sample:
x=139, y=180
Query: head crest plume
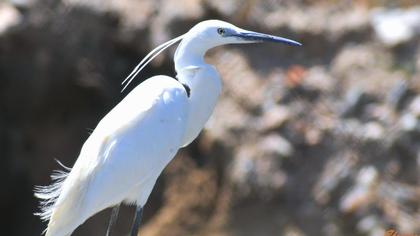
x=148, y=58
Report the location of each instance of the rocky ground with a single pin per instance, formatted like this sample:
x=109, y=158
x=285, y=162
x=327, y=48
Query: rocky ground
x=317, y=140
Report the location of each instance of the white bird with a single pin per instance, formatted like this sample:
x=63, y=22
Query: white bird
x=132, y=144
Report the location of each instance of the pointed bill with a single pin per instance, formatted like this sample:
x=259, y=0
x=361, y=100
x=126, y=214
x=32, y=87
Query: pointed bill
x=256, y=37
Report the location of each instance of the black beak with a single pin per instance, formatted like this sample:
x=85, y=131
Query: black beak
x=259, y=37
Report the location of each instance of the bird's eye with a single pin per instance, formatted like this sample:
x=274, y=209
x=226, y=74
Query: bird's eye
x=221, y=31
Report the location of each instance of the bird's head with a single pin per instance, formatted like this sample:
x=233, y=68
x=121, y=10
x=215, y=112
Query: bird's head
x=204, y=36
x=214, y=33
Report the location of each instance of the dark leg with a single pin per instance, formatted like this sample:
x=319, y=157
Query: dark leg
x=114, y=216
x=137, y=220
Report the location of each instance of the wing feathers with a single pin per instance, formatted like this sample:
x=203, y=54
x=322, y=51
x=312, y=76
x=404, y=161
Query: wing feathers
x=49, y=194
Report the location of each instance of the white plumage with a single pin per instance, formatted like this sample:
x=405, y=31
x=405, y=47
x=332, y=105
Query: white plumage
x=132, y=144
x=110, y=169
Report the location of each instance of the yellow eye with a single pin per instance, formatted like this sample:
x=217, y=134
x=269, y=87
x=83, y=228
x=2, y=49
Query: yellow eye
x=221, y=31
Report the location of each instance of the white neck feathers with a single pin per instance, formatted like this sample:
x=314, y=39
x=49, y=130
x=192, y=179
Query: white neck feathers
x=204, y=83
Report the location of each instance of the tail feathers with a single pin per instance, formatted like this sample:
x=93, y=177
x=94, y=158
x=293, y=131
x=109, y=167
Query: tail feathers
x=49, y=194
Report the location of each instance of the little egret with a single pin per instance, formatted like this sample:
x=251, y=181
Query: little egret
x=123, y=157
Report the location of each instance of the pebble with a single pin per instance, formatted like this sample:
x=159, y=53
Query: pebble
x=276, y=145
x=354, y=102
x=363, y=191
x=373, y=131
x=398, y=95
x=414, y=107
x=409, y=123
x=9, y=17
x=396, y=26
x=274, y=118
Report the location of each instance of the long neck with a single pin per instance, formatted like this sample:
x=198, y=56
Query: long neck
x=189, y=53
x=204, y=83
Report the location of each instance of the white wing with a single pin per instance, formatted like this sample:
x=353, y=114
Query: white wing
x=124, y=155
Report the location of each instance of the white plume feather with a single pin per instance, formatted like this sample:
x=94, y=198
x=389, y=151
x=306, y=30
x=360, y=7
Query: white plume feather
x=148, y=58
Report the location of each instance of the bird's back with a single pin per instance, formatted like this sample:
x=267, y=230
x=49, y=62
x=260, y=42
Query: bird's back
x=123, y=157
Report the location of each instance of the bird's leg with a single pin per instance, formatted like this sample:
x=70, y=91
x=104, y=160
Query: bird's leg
x=114, y=216
x=137, y=220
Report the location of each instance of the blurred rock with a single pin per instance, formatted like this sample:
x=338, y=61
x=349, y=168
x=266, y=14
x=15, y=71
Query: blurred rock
x=381, y=112
x=417, y=64
x=373, y=131
x=317, y=77
x=133, y=14
x=299, y=138
x=403, y=140
x=23, y=3
x=241, y=83
x=414, y=107
x=331, y=23
x=295, y=76
x=396, y=26
x=399, y=95
x=371, y=225
x=293, y=231
x=227, y=8
x=256, y=175
x=362, y=193
x=9, y=16
x=334, y=172
x=274, y=118
x=277, y=146
x=227, y=129
x=354, y=103
x=410, y=123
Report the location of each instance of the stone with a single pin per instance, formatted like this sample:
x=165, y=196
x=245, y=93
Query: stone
x=362, y=192
x=354, y=102
x=9, y=16
x=396, y=26
x=414, y=107
x=398, y=95
x=276, y=145
x=274, y=118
